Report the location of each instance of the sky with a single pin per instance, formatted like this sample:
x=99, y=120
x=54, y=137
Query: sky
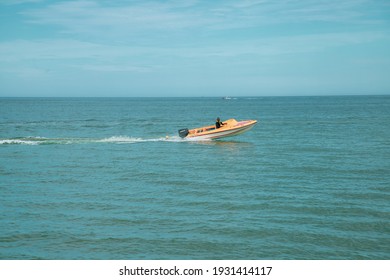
x=194, y=48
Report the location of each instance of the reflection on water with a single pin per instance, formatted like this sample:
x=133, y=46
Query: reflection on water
x=224, y=143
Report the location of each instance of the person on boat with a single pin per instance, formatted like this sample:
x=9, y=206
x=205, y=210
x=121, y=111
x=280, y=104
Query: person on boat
x=218, y=123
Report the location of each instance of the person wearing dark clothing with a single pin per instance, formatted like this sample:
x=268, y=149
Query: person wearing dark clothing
x=218, y=123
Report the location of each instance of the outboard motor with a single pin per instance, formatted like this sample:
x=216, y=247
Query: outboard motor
x=183, y=132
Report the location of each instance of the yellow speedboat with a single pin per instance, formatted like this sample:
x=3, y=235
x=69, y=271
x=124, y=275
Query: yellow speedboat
x=230, y=127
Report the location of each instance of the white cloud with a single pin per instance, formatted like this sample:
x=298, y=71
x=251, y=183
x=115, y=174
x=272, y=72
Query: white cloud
x=168, y=38
x=103, y=54
x=74, y=49
x=154, y=21
x=47, y=50
x=113, y=68
x=92, y=17
x=19, y=2
x=40, y=57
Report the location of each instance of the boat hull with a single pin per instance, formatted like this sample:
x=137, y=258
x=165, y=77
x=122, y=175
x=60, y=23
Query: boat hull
x=230, y=128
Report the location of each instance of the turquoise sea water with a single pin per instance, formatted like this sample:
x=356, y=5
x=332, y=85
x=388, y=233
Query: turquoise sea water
x=99, y=179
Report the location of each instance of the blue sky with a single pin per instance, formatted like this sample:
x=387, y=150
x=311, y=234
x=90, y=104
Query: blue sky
x=194, y=48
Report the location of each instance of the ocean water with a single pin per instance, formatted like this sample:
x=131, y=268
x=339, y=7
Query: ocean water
x=108, y=178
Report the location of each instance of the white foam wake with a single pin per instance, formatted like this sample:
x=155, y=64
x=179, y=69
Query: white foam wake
x=17, y=141
x=67, y=141
x=126, y=139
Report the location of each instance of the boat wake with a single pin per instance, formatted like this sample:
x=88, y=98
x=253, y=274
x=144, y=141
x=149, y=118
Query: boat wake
x=68, y=141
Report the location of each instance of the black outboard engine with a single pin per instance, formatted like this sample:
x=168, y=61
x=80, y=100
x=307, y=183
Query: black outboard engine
x=183, y=132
